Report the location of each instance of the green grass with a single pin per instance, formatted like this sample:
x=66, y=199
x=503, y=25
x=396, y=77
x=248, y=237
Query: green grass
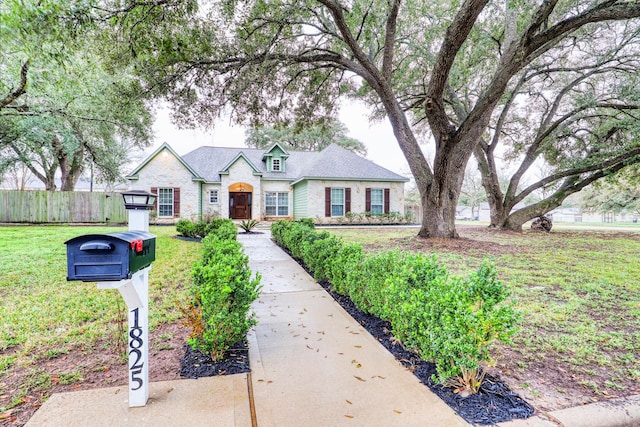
x=42, y=316
x=578, y=290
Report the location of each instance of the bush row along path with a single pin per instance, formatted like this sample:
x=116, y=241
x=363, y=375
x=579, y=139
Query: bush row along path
x=311, y=361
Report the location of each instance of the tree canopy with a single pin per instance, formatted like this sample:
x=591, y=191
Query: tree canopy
x=69, y=108
x=310, y=138
x=439, y=69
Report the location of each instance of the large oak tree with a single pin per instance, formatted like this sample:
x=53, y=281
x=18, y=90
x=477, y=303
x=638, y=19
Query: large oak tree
x=412, y=61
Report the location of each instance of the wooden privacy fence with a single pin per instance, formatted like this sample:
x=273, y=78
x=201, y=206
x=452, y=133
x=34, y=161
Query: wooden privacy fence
x=60, y=207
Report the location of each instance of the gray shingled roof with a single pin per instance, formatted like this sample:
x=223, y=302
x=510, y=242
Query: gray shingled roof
x=334, y=162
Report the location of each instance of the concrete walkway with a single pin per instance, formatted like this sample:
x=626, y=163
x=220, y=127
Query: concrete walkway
x=313, y=365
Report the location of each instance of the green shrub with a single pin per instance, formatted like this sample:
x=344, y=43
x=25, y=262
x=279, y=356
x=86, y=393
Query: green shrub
x=222, y=293
x=223, y=228
x=201, y=228
x=306, y=221
x=186, y=228
x=294, y=237
x=318, y=253
x=450, y=320
x=348, y=257
x=366, y=284
x=453, y=320
x=278, y=230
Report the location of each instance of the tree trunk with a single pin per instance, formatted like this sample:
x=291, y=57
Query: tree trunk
x=50, y=180
x=515, y=221
x=440, y=197
x=491, y=184
x=71, y=171
x=518, y=218
x=440, y=189
x=70, y=165
x=439, y=213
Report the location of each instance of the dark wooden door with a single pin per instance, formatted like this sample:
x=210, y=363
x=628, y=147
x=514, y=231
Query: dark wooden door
x=240, y=205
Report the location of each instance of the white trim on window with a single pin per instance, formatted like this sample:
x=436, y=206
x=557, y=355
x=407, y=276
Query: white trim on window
x=165, y=203
x=276, y=203
x=276, y=165
x=337, y=202
x=213, y=197
x=377, y=200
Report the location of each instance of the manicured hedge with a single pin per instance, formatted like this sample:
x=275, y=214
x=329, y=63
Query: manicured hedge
x=225, y=228
x=221, y=293
x=449, y=320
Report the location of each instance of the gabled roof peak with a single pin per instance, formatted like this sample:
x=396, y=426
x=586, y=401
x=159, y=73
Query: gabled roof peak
x=240, y=155
x=165, y=146
x=275, y=145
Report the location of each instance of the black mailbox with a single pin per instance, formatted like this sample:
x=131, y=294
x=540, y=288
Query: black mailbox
x=111, y=256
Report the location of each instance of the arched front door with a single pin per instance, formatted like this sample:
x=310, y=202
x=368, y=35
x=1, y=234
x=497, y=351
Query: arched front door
x=240, y=195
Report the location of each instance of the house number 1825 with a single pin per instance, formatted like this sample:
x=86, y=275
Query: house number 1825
x=135, y=343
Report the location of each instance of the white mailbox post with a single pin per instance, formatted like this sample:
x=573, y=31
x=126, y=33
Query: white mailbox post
x=135, y=292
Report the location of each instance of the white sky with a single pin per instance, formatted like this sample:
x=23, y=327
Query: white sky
x=382, y=147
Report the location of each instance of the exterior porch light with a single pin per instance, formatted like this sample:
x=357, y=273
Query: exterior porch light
x=138, y=200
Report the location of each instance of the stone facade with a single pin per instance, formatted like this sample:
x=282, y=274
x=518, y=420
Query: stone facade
x=316, y=195
x=212, y=209
x=166, y=171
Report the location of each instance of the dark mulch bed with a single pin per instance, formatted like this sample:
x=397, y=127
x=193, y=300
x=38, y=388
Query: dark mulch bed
x=188, y=239
x=196, y=364
x=495, y=403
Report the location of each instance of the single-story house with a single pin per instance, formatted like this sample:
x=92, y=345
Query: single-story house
x=244, y=183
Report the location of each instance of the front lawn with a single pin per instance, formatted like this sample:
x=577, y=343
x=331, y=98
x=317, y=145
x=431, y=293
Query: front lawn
x=579, y=292
x=45, y=320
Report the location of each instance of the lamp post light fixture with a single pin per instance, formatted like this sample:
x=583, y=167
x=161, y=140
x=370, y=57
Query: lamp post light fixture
x=138, y=203
x=138, y=200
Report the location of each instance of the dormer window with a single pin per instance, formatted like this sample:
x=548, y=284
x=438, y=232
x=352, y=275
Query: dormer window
x=275, y=158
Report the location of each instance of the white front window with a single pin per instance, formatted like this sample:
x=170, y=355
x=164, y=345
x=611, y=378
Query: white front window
x=337, y=202
x=275, y=165
x=213, y=196
x=165, y=202
x=377, y=200
x=276, y=204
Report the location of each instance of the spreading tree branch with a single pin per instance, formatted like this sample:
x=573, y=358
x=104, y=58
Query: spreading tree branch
x=20, y=90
